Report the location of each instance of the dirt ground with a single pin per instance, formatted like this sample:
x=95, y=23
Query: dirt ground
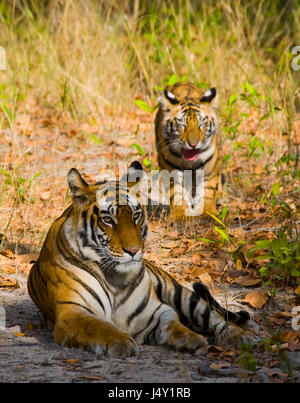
x=28, y=354
x=27, y=350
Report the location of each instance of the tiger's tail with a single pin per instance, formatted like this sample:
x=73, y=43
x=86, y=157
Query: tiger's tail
x=238, y=318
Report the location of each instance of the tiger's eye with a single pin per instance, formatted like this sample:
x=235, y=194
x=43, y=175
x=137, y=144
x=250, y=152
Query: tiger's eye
x=136, y=216
x=107, y=220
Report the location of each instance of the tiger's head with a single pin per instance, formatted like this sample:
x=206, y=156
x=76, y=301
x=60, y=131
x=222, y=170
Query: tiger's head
x=108, y=224
x=186, y=123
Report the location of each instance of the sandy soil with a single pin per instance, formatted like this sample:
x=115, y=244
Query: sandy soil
x=28, y=354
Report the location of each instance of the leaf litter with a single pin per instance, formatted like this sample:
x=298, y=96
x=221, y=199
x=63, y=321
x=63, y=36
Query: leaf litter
x=192, y=252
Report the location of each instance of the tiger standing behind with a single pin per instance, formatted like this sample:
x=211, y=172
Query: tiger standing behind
x=187, y=138
x=94, y=287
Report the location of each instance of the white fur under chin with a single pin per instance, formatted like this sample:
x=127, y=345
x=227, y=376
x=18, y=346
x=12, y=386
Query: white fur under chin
x=131, y=266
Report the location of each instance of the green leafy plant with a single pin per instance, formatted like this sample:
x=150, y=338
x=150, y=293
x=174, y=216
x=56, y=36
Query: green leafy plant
x=146, y=162
x=221, y=229
x=283, y=258
x=246, y=358
x=21, y=185
x=144, y=106
x=250, y=94
x=93, y=138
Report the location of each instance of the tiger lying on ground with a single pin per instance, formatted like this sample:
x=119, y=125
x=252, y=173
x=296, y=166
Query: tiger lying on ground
x=92, y=284
x=186, y=129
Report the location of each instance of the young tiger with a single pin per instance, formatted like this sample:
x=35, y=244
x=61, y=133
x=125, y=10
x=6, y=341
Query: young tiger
x=94, y=287
x=186, y=128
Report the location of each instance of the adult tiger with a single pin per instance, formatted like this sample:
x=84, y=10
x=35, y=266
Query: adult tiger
x=186, y=128
x=92, y=284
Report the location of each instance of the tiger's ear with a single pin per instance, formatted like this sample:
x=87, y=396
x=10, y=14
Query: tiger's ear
x=134, y=174
x=210, y=96
x=79, y=189
x=170, y=97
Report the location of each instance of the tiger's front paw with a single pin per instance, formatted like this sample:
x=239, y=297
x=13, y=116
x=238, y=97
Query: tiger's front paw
x=95, y=335
x=119, y=347
x=183, y=339
x=219, y=205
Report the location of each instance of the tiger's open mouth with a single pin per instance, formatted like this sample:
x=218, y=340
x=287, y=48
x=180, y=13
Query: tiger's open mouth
x=190, y=155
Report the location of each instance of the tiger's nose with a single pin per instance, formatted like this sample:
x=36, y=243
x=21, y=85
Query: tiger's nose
x=131, y=251
x=192, y=144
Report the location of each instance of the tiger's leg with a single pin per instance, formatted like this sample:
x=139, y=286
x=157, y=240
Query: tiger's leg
x=170, y=332
x=75, y=327
x=199, y=311
x=212, y=195
x=213, y=190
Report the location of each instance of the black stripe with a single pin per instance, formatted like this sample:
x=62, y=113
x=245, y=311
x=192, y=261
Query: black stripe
x=84, y=285
x=96, y=210
x=34, y=286
x=177, y=297
x=206, y=161
x=133, y=286
x=178, y=303
x=173, y=101
x=208, y=174
x=205, y=317
x=192, y=307
x=158, y=286
x=76, y=303
x=92, y=223
x=67, y=254
x=148, y=323
x=84, y=216
x=151, y=335
x=140, y=307
x=78, y=264
x=194, y=185
x=202, y=292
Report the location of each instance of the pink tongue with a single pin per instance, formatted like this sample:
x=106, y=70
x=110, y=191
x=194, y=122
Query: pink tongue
x=190, y=155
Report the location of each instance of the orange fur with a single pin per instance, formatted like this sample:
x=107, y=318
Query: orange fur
x=183, y=120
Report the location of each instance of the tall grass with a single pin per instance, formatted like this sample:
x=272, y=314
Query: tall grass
x=107, y=53
x=87, y=59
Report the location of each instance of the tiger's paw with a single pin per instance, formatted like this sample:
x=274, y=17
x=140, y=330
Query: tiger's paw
x=219, y=205
x=122, y=348
x=99, y=337
x=239, y=335
x=183, y=339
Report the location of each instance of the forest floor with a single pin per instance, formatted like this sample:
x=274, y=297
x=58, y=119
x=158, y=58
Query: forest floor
x=36, y=153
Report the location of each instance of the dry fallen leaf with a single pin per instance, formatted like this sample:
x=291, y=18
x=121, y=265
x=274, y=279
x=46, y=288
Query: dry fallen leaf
x=30, y=257
x=257, y=299
x=276, y=372
x=238, y=264
x=220, y=365
x=19, y=334
x=195, y=272
x=8, y=282
x=196, y=259
x=170, y=245
x=45, y=195
x=4, y=260
x=71, y=361
x=178, y=251
x=205, y=278
x=289, y=336
x=297, y=290
x=7, y=253
x=246, y=281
